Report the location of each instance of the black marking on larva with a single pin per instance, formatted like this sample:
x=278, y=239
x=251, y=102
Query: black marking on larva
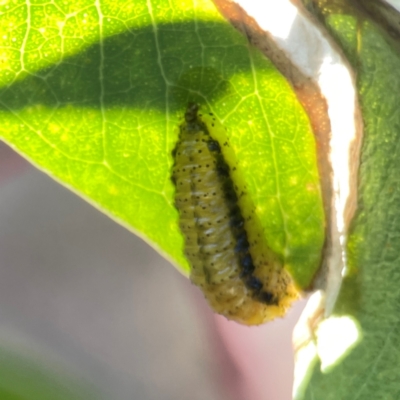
x=267, y=298
x=247, y=269
x=222, y=169
x=242, y=244
x=247, y=265
x=234, y=219
x=213, y=145
x=231, y=195
x=254, y=284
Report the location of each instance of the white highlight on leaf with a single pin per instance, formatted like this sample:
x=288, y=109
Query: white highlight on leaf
x=336, y=337
x=336, y=82
x=280, y=27
x=305, y=360
x=306, y=355
x=394, y=3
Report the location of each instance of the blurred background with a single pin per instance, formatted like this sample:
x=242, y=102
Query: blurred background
x=88, y=310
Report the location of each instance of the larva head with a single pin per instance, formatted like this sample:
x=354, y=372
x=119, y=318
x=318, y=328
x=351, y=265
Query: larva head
x=191, y=113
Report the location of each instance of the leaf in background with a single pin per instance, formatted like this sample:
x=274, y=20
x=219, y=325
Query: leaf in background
x=93, y=93
x=24, y=377
x=370, y=294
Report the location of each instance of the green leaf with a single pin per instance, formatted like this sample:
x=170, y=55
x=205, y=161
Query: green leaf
x=28, y=378
x=93, y=93
x=370, y=294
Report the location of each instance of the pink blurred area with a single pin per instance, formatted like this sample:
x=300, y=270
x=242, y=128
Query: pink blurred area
x=81, y=291
x=263, y=355
x=257, y=362
x=11, y=164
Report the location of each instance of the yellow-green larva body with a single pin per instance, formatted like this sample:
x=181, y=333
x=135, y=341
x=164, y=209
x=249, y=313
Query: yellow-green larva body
x=230, y=261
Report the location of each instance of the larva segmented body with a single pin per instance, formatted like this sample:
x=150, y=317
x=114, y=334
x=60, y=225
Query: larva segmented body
x=224, y=242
